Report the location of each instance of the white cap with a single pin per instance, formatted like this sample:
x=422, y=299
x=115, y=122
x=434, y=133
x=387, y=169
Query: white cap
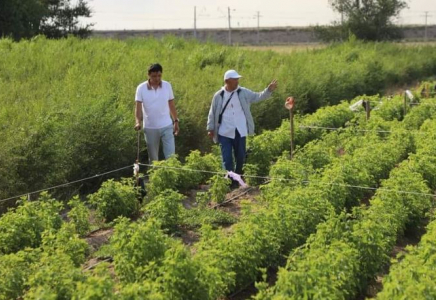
x=231, y=74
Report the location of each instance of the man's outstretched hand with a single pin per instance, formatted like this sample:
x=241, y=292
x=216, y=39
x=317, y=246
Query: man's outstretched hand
x=273, y=85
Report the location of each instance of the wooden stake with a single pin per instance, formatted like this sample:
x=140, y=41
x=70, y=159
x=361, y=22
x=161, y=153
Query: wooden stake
x=405, y=103
x=368, y=110
x=291, y=121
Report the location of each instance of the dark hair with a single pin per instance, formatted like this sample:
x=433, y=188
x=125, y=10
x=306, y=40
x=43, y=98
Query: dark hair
x=155, y=68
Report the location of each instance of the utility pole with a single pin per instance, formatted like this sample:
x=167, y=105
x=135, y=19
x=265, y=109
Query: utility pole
x=341, y=7
x=258, y=27
x=230, y=28
x=425, y=28
x=195, y=22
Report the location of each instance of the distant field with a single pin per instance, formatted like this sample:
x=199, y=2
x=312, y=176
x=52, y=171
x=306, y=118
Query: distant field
x=313, y=46
x=286, y=48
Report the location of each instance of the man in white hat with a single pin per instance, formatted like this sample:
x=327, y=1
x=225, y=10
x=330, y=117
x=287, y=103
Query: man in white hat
x=230, y=120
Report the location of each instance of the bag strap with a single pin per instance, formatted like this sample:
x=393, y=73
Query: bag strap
x=225, y=106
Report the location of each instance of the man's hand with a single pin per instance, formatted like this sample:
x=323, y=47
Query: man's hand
x=138, y=126
x=176, y=128
x=273, y=85
x=211, y=134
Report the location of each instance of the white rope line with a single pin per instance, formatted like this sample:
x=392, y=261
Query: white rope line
x=201, y=171
x=222, y=173
x=218, y=173
x=295, y=180
x=65, y=184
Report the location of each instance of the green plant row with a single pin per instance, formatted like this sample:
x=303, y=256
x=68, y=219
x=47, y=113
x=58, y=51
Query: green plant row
x=49, y=271
x=348, y=250
x=288, y=218
x=412, y=274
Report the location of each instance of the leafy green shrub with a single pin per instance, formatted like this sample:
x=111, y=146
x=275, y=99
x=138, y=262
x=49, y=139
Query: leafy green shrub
x=137, y=247
x=98, y=285
x=419, y=114
x=390, y=109
x=179, y=276
x=141, y=290
x=292, y=171
x=171, y=174
x=15, y=269
x=23, y=226
x=67, y=241
x=115, y=199
x=163, y=267
x=250, y=172
x=79, y=216
x=208, y=163
x=220, y=186
x=412, y=275
x=316, y=262
x=165, y=208
x=196, y=217
x=202, y=199
x=54, y=277
x=166, y=174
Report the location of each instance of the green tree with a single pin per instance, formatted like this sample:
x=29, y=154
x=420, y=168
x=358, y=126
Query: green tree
x=21, y=18
x=370, y=20
x=53, y=18
x=63, y=19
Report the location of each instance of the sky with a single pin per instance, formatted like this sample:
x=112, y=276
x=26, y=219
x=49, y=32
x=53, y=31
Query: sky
x=174, y=14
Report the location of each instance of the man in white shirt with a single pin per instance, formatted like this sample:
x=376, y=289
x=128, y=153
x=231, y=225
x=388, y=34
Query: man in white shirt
x=230, y=120
x=154, y=105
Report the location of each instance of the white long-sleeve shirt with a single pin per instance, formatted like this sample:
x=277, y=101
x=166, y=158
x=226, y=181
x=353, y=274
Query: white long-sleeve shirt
x=233, y=117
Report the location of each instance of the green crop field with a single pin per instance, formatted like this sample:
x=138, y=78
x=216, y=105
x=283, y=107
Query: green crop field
x=66, y=107
x=322, y=225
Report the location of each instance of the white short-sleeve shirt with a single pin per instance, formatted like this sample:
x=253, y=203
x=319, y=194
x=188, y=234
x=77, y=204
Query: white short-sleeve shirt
x=155, y=108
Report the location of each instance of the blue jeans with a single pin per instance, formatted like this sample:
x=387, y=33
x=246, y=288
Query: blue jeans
x=236, y=146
